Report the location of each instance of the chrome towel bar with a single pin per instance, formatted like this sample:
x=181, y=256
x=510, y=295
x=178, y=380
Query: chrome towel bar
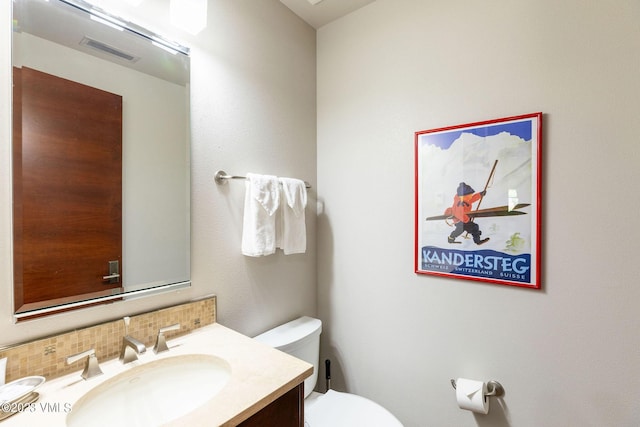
x=221, y=177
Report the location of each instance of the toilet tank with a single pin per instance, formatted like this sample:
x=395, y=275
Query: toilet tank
x=300, y=338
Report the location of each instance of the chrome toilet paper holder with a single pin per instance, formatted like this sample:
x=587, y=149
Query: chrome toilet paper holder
x=494, y=388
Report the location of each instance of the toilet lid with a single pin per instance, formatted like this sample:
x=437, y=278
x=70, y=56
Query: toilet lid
x=337, y=409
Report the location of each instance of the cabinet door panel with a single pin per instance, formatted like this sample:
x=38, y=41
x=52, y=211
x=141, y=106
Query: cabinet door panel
x=287, y=411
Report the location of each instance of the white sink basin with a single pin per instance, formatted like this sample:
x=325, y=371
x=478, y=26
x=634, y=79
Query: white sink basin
x=153, y=393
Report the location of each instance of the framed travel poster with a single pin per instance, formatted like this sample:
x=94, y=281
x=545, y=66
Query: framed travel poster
x=478, y=201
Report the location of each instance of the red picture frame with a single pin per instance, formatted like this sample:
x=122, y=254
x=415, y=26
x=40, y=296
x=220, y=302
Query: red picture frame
x=478, y=201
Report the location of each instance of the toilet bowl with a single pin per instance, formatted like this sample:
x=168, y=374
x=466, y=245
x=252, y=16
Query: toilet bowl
x=337, y=409
x=301, y=338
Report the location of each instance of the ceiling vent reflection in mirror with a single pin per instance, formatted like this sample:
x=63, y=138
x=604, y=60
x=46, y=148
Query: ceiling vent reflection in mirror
x=109, y=50
x=101, y=16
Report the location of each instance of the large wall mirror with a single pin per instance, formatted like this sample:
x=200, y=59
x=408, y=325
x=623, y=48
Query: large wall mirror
x=101, y=159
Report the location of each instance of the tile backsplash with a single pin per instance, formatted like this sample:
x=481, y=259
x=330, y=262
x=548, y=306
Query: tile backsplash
x=47, y=356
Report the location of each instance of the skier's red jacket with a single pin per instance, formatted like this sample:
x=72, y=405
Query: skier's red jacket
x=462, y=205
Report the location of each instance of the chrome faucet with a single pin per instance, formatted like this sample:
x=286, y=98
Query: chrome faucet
x=161, y=342
x=131, y=348
x=91, y=368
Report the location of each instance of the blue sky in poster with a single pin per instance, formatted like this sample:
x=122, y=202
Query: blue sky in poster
x=444, y=140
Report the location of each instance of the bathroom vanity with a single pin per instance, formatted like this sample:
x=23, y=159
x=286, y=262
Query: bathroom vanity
x=253, y=385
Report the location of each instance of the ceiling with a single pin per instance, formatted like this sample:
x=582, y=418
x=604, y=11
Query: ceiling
x=323, y=11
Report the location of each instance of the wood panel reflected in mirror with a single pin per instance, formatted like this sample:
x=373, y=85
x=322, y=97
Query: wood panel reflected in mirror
x=68, y=204
x=101, y=153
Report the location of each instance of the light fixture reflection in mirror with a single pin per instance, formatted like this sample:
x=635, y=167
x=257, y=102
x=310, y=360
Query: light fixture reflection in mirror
x=58, y=40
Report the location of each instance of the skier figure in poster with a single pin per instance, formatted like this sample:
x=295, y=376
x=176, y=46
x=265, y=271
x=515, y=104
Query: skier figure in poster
x=462, y=202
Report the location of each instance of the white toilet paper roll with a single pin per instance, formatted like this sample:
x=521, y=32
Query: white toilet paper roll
x=470, y=395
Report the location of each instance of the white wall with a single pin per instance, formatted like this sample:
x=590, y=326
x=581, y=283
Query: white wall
x=253, y=110
x=567, y=355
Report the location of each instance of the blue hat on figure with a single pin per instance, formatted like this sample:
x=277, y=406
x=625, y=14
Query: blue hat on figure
x=464, y=189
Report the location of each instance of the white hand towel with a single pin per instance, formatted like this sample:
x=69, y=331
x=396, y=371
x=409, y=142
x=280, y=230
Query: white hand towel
x=294, y=229
x=261, y=200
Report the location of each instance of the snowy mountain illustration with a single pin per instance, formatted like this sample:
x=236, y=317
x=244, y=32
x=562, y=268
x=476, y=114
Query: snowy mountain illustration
x=469, y=159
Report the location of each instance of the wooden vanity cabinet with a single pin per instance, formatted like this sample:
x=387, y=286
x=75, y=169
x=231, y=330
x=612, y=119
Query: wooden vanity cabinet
x=286, y=411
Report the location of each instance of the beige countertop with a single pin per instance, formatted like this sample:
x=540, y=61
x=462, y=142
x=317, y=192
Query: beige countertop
x=259, y=375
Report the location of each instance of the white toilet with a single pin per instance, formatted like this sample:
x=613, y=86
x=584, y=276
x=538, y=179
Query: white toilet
x=301, y=338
